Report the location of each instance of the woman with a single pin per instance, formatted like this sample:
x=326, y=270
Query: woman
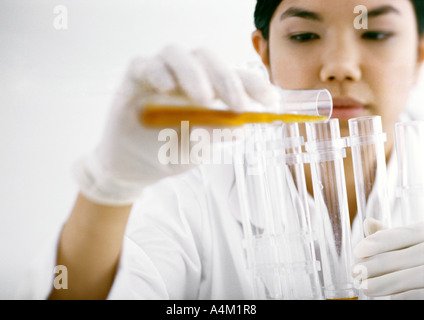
x=175, y=246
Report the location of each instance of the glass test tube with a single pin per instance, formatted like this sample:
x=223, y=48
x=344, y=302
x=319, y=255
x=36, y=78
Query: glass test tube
x=300, y=234
x=327, y=150
x=369, y=166
x=275, y=220
x=262, y=246
x=409, y=137
x=307, y=102
x=288, y=195
x=294, y=106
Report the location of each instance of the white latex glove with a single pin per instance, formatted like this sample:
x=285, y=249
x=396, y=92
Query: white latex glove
x=126, y=160
x=392, y=261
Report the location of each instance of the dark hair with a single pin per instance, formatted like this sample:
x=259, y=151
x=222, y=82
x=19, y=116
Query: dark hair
x=265, y=9
x=419, y=11
x=263, y=13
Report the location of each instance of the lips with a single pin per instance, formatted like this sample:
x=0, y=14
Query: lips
x=345, y=108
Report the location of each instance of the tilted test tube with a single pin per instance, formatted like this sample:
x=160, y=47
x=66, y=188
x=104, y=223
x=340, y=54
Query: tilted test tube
x=293, y=106
x=326, y=151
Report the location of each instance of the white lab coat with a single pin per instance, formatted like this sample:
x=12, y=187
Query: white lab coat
x=184, y=241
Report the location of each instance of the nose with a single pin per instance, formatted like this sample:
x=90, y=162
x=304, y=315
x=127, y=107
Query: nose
x=341, y=62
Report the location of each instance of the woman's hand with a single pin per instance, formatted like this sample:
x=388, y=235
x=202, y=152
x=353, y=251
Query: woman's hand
x=392, y=262
x=126, y=160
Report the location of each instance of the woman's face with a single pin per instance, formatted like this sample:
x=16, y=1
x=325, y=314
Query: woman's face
x=316, y=44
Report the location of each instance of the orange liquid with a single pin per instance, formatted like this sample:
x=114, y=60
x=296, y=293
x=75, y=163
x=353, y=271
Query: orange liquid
x=171, y=116
x=355, y=298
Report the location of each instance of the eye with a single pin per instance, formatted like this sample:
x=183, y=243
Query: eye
x=303, y=37
x=377, y=35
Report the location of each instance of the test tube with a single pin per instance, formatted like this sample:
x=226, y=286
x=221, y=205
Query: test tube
x=298, y=224
x=294, y=106
x=369, y=165
x=287, y=185
x=326, y=150
x=262, y=234
x=306, y=102
x=409, y=137
x=276, y=227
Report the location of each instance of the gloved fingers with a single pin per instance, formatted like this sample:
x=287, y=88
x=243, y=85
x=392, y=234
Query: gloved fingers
x=389, y=262
x=201, y=76
x=190, y=75
x=152, y=75
x=226, y=83
x=417, y=294
x=395, y=282
x=389, y=240
x=258, y=87
x=372, y=225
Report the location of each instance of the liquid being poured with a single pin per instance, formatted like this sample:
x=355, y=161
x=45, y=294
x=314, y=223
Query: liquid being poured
x=171, y=116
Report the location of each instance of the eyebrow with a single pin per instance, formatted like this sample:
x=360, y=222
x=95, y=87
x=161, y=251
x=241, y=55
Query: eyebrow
x=310, y=15
x=300, y=13
x=382, y=10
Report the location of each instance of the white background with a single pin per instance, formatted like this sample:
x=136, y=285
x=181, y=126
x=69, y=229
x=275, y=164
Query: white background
x=56, y=87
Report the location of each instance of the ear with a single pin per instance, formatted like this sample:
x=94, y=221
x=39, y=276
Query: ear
x=261, y=46
x=420, y=61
